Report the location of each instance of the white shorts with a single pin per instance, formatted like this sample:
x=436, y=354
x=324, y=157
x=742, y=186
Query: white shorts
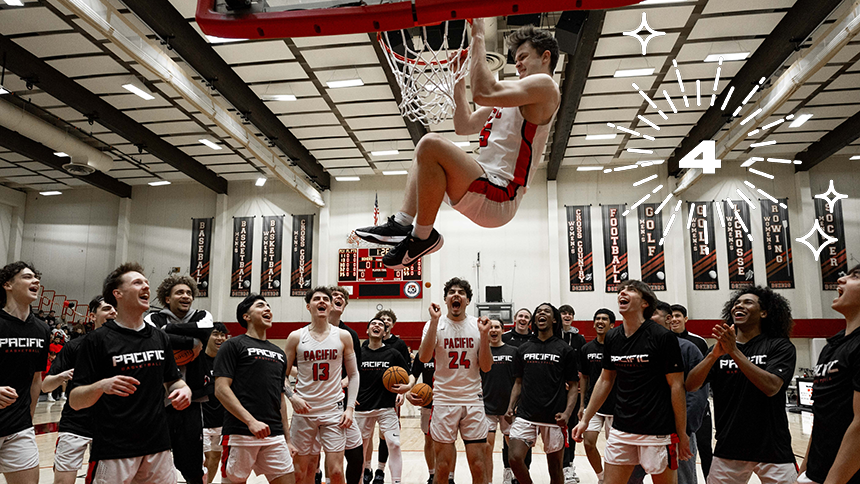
x=487, y=204
x=69, y=454
x=269, y=456
x=146, y=469
x=803, y=479
x=212, y=440
x=499, y=421
x=353, y=435
x=600, y=422
x=389, y=424
x=426, y=414
x=552, y=435
x=305, y=430
x=18, y=451
x=649, y=451
x=469, y=420
x=729, y=470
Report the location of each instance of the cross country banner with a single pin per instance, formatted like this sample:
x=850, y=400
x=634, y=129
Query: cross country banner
x=579, y=253
x=302, y=260
x=270, y=272
x=614, y=245
x=777, y=244
x=201, y=253
x=243, y=251
x=832, y=258
x=703, y=247
x=738, y=244
x=650, y=250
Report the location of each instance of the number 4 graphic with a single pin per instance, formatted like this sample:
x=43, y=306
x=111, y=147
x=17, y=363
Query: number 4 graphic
x=708, y=163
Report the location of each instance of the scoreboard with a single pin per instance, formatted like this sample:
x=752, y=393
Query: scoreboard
x=361, y=270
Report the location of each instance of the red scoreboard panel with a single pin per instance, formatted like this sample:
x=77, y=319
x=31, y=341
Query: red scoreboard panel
x=362, y=271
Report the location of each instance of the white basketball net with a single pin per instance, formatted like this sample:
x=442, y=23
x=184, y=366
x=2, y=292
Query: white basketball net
x=425, y=79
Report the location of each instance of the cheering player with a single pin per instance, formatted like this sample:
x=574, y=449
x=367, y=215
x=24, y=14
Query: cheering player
x=497, y=385
x=519, y=334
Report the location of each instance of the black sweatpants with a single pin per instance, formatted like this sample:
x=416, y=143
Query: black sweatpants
x=186, y=439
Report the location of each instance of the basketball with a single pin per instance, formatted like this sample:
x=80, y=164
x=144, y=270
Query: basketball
x=394, y=376
x=424, y=392
x=183, y=357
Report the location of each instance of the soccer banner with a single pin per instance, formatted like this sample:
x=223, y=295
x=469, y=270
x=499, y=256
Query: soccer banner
x=302, y=260
x=579, y=251
x=777, y=244
x=201, y=253
x=832, y=258
x=270, y=272
x=738, y=245
x=614, y=246
x=243, y=250
x=703, y=247
x=650, y=251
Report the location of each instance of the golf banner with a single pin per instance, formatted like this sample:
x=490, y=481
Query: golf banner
x=703, y=247
x=832, y=259
x=614, y=246
x=650, y=251
x=777, y=244
x=201, y=253
x=270, y=272
x=303, y=255
x=243, y=250
x=738, y=244
x=579, y=251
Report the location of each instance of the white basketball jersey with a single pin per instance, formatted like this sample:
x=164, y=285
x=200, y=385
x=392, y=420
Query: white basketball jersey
x=457, y=380
x=319, y=366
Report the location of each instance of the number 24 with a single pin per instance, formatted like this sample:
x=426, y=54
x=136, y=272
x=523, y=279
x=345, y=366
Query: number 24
x=463, y=360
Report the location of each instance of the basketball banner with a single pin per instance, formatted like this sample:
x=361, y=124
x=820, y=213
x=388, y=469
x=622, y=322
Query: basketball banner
x=579, y=251
x=832, y=258
x=201, y=253
x=777, y=244
x=650, y=251
x=243, y=251
x=614, y=246
x=302, y=260
x=270, y=272
x=703, y=247
x=738, y=244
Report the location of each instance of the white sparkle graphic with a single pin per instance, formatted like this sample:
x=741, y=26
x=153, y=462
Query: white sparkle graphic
x=831, y=200
x=651, y=34
x=827, y=239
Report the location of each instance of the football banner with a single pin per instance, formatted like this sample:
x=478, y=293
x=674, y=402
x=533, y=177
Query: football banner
x=650, y=251
x=777, y=244
x=243, y=260
x=614, y=246
x=270, y=272
x=738, y=244
x=832, y=258
x=201, y=253
x=703, y=247
x=579, y=251
x=302, y=260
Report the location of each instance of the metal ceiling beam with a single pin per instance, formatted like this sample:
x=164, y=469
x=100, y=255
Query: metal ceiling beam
x=38, y=152
x=838, y=138
x=416, y=130
x=795, y=27
x=39, y=73
x=163, y=18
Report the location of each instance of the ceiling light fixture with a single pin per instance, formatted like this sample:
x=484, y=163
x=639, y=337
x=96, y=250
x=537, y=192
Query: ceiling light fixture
x=61, y=154
x=51, y=193
x=345, y=83
x=395, y=172
x=221, y=40
x=138, y=91
x=159, y=183
x=210, y=144
x=278, y=97
x=3, y=90
x=799, y=120
x=14, y=3
x=853, y=158
x=260, y=181
x=589, y=168
x=347, y=178
x=736, y=56
x=633, y=72
x=385, y=153
x=595, y=137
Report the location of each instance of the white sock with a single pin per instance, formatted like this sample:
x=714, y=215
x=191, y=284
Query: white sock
x=421, y=231
x=450, y=475
x=600, y=476
x=403, y=218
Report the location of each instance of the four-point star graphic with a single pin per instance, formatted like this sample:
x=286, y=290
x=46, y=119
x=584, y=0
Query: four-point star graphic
x=831, y=201
x=816, y=228
x=644, y=26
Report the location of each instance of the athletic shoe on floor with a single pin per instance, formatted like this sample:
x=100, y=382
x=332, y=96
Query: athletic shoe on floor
x=51, y=398
x=570, y=476
x=430, y=480
x=389, y=233
x=368, y=476
x=318, y=477
x=379, y=477
x=508, y=476
x=411, y=249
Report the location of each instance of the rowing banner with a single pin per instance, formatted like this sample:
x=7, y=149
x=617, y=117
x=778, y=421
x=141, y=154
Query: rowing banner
x=703, y=247
x=270, y=272
x=243, y=260
x=579, y=251
x=777, y=244
x=201, y=252
x=832, y=258
x=614, y=246
x=303, y=255
x=650, y=250
x=739, y=244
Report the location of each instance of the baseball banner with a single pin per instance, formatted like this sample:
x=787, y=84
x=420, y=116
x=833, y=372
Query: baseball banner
x=777, y=244
x=832, y=258
x=243, y=260
x=302, y=260
x=614, y=246
x=650, y=251
x=738, y=244
x=201, y=252
x=703, y=247
x=579, y=251
x=270, y=273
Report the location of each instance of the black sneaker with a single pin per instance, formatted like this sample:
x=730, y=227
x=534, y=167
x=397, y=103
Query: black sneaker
x=318, y=477
x=450, y=480
x=379, y=477
x=389, y=233
x=368, y=476
x=430, y=480
x=411, y=249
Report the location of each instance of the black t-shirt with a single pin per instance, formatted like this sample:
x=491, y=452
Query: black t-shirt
x=197, y=324
x=742, y=410
x=396, y=343
x=23, y=353
x=372, y=393
x=591, y=364
x=213, y=411
x=515, y=339
x=135, y=425
x=837, y=379
x=356, y=346
x=72, y=421
x=425, y=371
x=497, y=384
x=545, y=367
x=643, y=403
x=258, y=369
x=697, y=340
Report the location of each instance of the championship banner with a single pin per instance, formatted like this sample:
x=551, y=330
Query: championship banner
x=832, y=258
x=777, y=244
x=579, y=252
x=302, y=260
x=738, y=245
x=650, y=251
x=270, y=272
x=243, y=249
x=703, y=248
x=201, y=251
x=614, y=246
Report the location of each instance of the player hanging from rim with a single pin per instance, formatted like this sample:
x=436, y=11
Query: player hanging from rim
x=514, y=124
x=749, y=369
x=75, y=434
x=213, y=411
x=319, y=351
x=497, y=385
x=570, y=334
